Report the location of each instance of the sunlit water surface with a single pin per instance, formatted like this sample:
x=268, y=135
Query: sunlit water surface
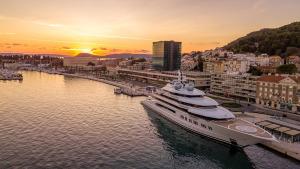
x=52, y=121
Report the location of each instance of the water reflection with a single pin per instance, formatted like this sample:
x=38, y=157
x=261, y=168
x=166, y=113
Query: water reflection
x=53, y=121
x=186, y=147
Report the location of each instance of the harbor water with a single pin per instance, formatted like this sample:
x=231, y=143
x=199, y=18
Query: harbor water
x=54, y=121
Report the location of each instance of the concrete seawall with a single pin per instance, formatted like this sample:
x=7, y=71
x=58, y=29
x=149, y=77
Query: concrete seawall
x=288, y=149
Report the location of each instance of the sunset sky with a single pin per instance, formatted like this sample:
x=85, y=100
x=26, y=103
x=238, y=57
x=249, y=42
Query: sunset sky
x=103, y=27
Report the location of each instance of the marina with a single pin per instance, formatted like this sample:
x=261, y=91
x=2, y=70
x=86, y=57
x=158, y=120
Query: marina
x=84, y=128
x=10, y=75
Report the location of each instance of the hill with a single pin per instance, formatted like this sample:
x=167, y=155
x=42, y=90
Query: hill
x=129, y=55
x=120, y=55
x=282, y=41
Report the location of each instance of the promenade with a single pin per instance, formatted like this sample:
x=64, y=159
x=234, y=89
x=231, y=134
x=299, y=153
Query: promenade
x=289, y=149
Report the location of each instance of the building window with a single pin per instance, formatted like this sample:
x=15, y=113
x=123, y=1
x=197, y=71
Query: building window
x=195, y=122
x=202, y=125
x=190, y=121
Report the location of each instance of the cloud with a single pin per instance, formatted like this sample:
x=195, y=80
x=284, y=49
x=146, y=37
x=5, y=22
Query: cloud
x=142, y=51
x=17, y=44
x=13, y=44
x=66, y=47
x=54, y=25
x=115, y=50
x=7, y=33
x=100, y=48
x=81, y=33
x=205, y=43
x=94, y=49
x=259, y=6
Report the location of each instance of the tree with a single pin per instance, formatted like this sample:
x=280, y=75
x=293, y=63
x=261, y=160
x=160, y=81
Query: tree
x=287, y=69
x=91, y=64
x=280, y=41
x=255, y=71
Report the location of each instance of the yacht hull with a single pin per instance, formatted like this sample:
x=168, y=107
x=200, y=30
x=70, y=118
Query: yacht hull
x=202, y=126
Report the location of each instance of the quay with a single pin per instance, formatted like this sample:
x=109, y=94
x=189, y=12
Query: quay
x=289, y=149
x=127, y=89
x=133, y=91
x=283, y=146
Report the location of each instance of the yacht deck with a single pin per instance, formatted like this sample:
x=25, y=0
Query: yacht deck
x=245, y=127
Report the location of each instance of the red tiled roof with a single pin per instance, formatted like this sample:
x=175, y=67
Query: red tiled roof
x=271, y=78
x=276, y=79
x=296, y=79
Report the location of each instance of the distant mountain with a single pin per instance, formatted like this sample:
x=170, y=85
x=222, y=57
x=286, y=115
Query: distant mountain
x=121, y=55
x=282, y=41
x=129, y=55
x=86, y=55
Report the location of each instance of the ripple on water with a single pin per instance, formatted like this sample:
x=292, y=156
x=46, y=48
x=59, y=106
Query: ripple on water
x=52, y=121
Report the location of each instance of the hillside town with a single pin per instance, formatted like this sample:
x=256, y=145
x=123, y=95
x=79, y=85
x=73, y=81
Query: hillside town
x=246, y=77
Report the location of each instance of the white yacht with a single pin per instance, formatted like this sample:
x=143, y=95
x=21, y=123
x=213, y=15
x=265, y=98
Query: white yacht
x=190, y=108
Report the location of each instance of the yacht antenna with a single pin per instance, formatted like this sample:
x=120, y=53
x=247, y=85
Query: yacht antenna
x=180, y=77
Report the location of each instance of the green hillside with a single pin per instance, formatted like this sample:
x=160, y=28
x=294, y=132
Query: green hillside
x=278, y=41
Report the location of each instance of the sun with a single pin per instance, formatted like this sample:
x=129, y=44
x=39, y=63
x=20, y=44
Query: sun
x=86, y=50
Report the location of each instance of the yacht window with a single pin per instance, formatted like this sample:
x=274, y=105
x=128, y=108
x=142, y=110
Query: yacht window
x=202, y=125
x=187, y=104
x=195, y=122
x=182, y=116
x=173, y=111
x=209, y=128
x=190, y=120
x=186, y=95
x=185, y=118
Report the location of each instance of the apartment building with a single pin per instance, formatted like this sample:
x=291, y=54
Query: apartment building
x=275, y=61
x=213, y=67
x=236, y=66
x=293, y=60
x=200, y=79
x=235, y=86
x=262, y=60
x=226, y=66
x=278, y=92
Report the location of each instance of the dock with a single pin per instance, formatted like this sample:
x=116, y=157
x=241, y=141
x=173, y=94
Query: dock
x=132, y=91
x=289, y=149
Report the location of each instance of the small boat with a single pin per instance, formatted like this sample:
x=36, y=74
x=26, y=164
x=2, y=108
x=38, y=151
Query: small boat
x=117, y=91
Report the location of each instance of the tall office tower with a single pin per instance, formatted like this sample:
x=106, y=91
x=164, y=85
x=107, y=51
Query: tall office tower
x=166, y=55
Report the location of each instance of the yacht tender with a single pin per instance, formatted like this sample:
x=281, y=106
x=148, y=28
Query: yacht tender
x=188, y=107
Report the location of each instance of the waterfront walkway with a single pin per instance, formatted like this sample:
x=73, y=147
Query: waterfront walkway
x=286, y=148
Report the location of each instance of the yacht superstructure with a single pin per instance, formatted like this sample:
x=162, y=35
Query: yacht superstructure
x=190, y=108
